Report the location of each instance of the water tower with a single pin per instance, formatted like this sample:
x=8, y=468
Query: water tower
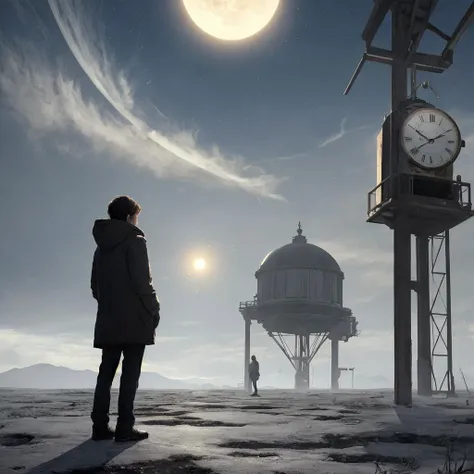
x=299, y=296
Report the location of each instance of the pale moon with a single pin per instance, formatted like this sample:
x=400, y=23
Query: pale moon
x=199, y=264
x=231, y=20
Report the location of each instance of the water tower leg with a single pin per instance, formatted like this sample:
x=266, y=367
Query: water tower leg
x=334, y=364
x=247, y=355
x=306, y=339
x=306, y=376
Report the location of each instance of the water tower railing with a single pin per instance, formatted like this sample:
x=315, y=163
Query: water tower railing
x=354, y=326
x=248, y=305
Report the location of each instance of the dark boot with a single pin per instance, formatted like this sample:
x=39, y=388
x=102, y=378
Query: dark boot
x=124, y=435
x=101, y=433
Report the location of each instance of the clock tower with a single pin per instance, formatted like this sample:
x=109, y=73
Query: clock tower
x=415, y=193
x=430, y=142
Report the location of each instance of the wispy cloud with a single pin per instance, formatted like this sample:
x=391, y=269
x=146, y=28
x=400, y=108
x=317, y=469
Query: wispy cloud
x=324, y=143
x=341, y=134
x=337, y=136
x=52, y=102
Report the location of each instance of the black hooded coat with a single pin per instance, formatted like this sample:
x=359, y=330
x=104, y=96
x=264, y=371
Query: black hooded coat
x=128, y=309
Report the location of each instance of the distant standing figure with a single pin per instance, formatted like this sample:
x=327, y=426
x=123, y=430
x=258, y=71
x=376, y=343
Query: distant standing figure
x=254, y=374
x=127, y=316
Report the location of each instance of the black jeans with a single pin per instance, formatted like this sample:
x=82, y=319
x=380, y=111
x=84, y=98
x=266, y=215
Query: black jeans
x=131, y=369
x=255, y=389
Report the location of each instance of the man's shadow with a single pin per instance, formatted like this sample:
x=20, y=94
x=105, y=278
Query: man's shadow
x=89, y=454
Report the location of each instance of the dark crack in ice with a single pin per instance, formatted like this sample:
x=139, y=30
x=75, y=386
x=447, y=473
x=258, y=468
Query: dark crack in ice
x=192, y=421
x=339, y=441
x=16, y=439
x=328, y=417
x=376, y=458
x=246, y=454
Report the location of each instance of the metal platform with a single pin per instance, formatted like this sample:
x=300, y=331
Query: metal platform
x=426, y=215
x=300, y=318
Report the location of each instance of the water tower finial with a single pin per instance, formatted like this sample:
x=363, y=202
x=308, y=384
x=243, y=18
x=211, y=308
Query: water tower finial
x=300, y=238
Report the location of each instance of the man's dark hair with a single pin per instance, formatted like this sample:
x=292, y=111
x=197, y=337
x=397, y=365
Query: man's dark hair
x=121, y=207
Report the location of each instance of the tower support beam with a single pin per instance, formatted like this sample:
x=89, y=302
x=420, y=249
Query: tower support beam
x=401, y=231
x=402, y=313
x=424, y=315
x=335, y=364
x=449, y=326
x=247, y=355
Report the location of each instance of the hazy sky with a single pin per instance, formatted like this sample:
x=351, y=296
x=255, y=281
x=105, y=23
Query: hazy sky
x=100, y=98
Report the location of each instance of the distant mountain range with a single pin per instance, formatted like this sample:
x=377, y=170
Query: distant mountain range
x=51, y=377
x=47, y=376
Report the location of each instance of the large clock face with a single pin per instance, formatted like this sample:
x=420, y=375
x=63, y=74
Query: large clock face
x=431, y=138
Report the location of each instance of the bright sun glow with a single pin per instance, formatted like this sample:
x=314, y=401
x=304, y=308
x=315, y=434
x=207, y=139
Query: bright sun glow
x=199, y=264
x=231, y=20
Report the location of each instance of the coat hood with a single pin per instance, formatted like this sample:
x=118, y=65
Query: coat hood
x=108, y=233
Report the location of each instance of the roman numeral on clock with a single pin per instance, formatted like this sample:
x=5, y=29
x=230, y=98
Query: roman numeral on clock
x=432, y=118
x=414, y=151
x=408, y=139
x=421, y=118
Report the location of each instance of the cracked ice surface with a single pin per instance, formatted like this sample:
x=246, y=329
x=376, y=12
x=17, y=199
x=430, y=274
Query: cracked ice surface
x=228, y=432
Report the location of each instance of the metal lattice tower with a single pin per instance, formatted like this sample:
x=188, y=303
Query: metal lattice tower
x=440, y=313
x=442, y=363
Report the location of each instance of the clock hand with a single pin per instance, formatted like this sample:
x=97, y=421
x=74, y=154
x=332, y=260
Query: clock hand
x=419, y=133
x=421, y=146
x=441, y=135
x=431, y=140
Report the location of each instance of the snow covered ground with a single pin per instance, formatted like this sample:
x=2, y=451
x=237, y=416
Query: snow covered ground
x=228, y=432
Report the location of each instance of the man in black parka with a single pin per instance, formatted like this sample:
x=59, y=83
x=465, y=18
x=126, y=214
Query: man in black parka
x=128, y=314
x=254, y=374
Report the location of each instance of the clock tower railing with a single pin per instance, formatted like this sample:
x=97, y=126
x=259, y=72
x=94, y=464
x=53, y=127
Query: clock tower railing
x=431, y=204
